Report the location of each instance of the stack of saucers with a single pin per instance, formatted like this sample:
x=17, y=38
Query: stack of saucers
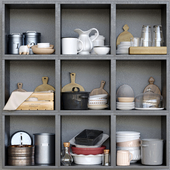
x=98, y=101
x=123, y=48
x=125, y=103
x=129, y=140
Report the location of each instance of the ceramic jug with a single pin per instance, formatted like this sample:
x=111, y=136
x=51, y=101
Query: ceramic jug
x=84, y=37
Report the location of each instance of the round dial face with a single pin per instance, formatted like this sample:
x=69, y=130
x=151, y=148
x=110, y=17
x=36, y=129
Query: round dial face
x=21, y=138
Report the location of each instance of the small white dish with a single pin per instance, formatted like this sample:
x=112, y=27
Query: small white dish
x=128, y=133
x=103, y=50
x=43, y=45
x=149, y=108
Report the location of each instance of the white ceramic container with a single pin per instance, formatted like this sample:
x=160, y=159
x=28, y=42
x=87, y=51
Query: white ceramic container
x=101, y=50
x=87, y=159
x=43, y=45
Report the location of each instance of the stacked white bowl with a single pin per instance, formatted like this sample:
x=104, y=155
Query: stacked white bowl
x=98, y=101
x=125, y=103
x=129, y=140
x=123, y=47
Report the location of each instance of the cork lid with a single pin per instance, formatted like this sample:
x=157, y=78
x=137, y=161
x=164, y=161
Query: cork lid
x=66, y=144
x=106, y=151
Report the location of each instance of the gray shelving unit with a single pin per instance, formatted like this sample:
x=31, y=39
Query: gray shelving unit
x=56, y=19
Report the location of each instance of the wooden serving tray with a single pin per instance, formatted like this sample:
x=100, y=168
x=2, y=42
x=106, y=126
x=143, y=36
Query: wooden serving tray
x=45, y=102
x=148, y=50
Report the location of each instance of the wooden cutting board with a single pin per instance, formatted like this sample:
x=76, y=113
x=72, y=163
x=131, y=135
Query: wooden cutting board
x=44, y=86
x=20, y=88
x=124, y=36
x=99, y=90
x=69, y=86
x=154, y=88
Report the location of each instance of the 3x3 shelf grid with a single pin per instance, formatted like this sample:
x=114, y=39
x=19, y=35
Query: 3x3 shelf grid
x=127, y=71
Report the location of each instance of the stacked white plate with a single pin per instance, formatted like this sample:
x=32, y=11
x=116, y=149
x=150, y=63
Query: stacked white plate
x=123, y=48
x=125, y=106
x=98, y=102
x=129, y=140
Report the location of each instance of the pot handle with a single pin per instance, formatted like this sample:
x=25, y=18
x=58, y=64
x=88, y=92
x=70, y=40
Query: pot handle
x=74, y=89
x=83, y=97
x=144, y=145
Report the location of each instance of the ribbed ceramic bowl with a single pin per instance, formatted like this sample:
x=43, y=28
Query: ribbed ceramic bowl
x=132, y=143
x=126, y=99
x=97, y=101
x=88, y=151
x=87, y=159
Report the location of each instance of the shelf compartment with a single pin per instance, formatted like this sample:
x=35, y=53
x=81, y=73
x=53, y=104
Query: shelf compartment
x=150, y=127
x=19, y=71
x=86, y=16
x=72, y=125
x=89, y=74
x=30, y=124
x=137, y=15
x=19, y=18
x=136, y=74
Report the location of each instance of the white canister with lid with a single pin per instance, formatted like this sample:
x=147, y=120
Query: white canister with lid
x=99, y=40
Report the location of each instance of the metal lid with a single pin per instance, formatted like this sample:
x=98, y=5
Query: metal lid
x=44, y=134
x=32, y=33
x=16, y=35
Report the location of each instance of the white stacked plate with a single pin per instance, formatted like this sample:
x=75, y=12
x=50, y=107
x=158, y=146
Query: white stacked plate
x=125, y=106
x=123, y=48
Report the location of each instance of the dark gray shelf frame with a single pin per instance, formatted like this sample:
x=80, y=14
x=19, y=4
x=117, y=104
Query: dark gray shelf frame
x=57, y=58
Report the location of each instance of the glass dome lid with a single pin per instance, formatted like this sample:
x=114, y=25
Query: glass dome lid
x=149, y=99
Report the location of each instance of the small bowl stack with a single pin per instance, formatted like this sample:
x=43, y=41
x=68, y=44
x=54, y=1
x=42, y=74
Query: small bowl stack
x=43, y=48
x=98, y=101
x=129, y=140
x=123, y=48
x=125, y=103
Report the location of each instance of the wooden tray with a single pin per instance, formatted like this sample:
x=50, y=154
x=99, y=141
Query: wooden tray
x=45, y=102
x=148, y=50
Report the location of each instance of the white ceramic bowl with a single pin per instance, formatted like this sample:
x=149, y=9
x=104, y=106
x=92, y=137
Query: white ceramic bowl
x=99, y=96
x=87, y=159
x=128, y=133
x=97, y=101
x=125, y=99
x=103, y=50
x=43, y=45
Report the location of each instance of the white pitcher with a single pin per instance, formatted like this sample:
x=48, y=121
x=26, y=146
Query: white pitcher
x=84, y=37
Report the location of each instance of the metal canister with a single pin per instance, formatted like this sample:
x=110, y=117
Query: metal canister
x=20, y=155
x=15, y=40
x=32, y=38
x=44, y=148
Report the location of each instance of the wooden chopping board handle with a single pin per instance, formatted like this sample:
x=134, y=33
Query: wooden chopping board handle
x=102, y=84
x=19, y=86
x=45, y=80
x=73, y=77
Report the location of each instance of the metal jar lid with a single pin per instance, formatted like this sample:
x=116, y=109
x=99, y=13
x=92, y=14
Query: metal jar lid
x=43, y=134
x=15, y=35
x=31, y=33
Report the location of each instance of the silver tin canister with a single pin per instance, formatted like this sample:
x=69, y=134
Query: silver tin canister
x=44, y=148
x=152, y=151
x=32, y=38
x=15, y=40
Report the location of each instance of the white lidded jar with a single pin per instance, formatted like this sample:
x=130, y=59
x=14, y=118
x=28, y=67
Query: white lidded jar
x=99, y=41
